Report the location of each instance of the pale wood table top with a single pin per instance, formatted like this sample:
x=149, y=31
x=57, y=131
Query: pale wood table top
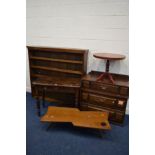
x=109, y=56
x=89, y=119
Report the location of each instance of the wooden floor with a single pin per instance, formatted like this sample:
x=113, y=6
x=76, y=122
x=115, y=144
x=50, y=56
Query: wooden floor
x=89, y=119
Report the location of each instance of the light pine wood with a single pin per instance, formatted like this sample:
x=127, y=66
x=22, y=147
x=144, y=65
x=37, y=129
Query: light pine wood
x=88, y=119
x=109, y=56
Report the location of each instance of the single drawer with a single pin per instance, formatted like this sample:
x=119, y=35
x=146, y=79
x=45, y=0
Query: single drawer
x=124, y=91
x=104, y=87
x=119, y=117
x=84, y=96
x=121, y=103
x=85, y=84
x=102, y=101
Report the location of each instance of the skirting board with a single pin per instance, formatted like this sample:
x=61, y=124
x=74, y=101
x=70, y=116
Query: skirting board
x=28, y=89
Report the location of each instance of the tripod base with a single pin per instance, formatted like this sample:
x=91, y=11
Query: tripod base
x=107, y=74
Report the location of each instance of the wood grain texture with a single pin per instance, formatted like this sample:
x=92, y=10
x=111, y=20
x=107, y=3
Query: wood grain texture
x=57, y=70
x=88, y=119
x=104, y=96
x=109, y=56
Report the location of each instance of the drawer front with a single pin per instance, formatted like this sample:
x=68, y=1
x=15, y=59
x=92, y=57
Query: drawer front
x=121, y=104
x=104, y=87
x=102, y=101
x=85, y=84
x=84, y=96
x=124, y=91
x=114, y=115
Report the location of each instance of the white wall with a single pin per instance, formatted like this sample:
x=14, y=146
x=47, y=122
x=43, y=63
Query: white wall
x=97, y=25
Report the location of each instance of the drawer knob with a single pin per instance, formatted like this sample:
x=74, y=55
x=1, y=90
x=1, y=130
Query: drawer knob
x=104, y=88
x=120, y=102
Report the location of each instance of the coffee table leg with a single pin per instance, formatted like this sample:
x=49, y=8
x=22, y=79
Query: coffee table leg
x=101, y=133
x=50, y=125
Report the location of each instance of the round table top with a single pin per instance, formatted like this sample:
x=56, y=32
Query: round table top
x=109, y=56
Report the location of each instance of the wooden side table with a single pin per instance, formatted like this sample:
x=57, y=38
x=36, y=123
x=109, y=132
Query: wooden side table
x=108, y=57
x=55, y=84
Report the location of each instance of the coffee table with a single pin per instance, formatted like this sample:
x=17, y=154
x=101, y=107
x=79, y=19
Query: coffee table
x=87, y=119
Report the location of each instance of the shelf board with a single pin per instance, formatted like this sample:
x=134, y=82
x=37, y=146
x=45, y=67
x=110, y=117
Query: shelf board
x=57, y=70
x=48, y=99
x=56, y=60
x=39, y=76
x=58, y=49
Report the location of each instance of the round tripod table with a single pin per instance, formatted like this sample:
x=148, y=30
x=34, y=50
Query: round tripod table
x=108, y=57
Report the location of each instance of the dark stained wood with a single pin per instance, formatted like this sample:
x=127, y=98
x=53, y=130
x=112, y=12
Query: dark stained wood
x=56, y=60
x=120, y=79
x=58, y=81
x=105, y=96
x=57, y=49
x=55, y=69
x=88, y=119
x=108, y=57
x=48, y=99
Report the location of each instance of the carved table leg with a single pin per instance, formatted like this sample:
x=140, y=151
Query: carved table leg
x=111, y=78
x=101, y=77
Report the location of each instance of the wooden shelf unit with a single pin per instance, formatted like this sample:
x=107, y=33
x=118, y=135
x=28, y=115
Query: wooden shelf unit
x=48, y=64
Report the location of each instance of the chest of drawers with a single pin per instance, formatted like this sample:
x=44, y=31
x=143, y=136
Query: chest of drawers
x=104, y=96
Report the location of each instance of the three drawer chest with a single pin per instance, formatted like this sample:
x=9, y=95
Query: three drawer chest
x=105, y=96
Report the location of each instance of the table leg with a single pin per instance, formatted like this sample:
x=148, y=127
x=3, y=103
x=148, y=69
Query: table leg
x=38, y=102
x=101, y=133
x=77, y=98
x=111, y=78
x=43, y=97
x=50, y=125
x=107, y=66
x=38, y=106
x=101, y=77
